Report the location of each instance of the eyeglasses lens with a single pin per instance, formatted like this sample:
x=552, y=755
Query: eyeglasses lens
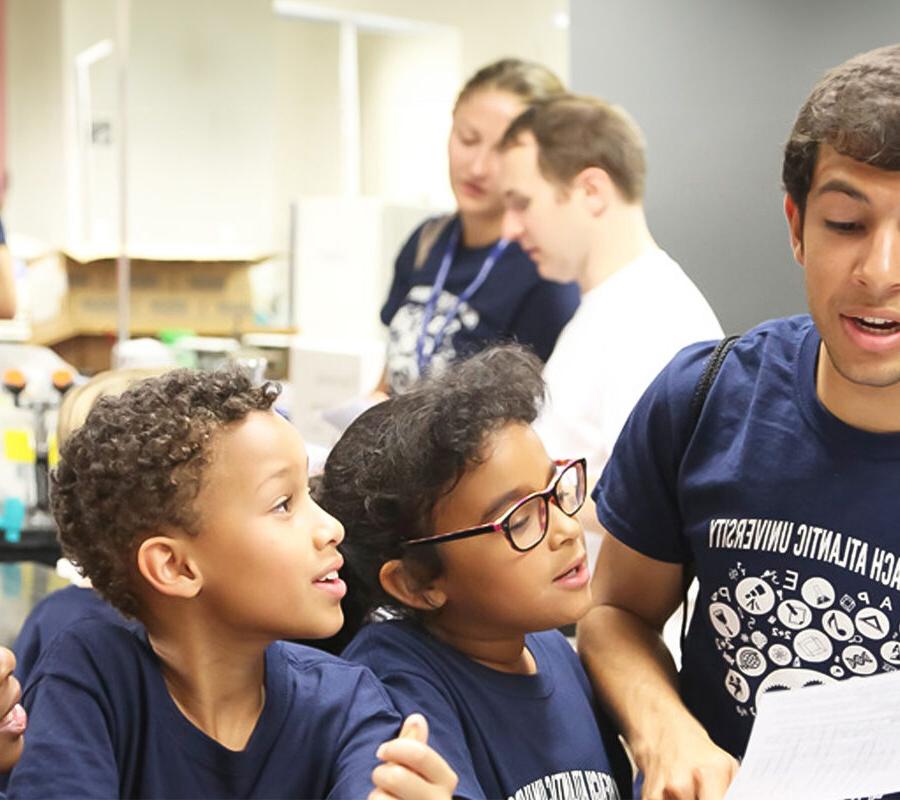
x=570, y=489
x=528, y=523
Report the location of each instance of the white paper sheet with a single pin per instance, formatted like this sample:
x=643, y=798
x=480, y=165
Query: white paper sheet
x=822, y=742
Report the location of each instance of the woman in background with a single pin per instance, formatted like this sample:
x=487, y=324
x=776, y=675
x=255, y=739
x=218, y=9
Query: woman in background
x=457, y=285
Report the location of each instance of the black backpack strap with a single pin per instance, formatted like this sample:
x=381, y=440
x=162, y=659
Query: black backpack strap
x=707, y=379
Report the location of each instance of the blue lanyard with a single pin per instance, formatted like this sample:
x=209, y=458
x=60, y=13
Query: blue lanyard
x=439, y=281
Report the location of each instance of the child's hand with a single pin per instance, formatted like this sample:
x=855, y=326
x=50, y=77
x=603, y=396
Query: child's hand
x=412, y=770
x=12, y=715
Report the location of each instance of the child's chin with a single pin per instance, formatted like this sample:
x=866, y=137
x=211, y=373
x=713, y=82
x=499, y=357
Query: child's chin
x=575, y=615
x=323, y=628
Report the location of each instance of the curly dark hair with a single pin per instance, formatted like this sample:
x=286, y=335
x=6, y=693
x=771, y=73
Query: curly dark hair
x=387, y=472
x=136, y=466
x=855, y=108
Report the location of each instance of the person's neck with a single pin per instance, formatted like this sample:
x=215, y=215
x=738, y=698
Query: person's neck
x=505, y=653
x=619, y=237
x=480, y=230
x=869, y=408
x=215, y=678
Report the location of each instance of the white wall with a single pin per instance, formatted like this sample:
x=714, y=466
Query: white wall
x=202, y=121
x=488, y=30
x=233, y=113
x=227, y=101
x=407, y=88
x=36, y=200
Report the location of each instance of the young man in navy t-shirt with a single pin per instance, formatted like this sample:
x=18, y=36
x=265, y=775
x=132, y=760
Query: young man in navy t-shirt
x=185, y=501
x=781, y=496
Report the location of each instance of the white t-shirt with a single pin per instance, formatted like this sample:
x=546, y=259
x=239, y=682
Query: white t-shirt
x=624, y=332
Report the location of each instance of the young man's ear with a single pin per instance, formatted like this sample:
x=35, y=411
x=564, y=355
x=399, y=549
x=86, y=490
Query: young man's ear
x=165, y=563
x=396, y=580
x=795, y=227
x=597, y=188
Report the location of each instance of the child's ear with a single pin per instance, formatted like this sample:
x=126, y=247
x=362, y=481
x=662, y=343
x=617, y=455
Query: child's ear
x=165, y=564
x=396, y=580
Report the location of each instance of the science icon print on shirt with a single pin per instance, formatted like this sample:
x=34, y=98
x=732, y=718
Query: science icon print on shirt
x=828, y=616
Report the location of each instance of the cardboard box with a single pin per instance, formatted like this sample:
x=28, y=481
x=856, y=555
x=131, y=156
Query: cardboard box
x=205, y=296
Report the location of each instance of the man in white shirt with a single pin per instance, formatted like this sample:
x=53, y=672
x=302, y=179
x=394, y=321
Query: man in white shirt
x=573, y=173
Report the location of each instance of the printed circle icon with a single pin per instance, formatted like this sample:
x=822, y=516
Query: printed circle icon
x=737, y=686
x=859, y=660
x=755, y=596
x=812, y=645
x=780, y=654
x=750, y=661
x=794, y=614
x=759, y=639
x=818, y=592
x=890, y=652
x=725, y=620
x=838, y=625
x=872, y=623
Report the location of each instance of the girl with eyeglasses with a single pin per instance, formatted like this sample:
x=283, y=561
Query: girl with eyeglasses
x=461, y=531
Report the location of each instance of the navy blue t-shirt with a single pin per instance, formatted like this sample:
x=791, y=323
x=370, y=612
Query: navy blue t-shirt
x=788, y=515
x=513, y=304
x=102, y=724
x=57, y=612
x=506, y=736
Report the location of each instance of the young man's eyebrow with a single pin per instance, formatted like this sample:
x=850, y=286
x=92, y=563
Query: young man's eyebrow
x=503, y=502
x=838, y=185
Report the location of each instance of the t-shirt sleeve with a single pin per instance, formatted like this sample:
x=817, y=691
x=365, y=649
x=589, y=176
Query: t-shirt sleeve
x=371, y=720
x=68, y=749
x=403, y=266
x=413, y=693
x=637, y=494
x=542, y=315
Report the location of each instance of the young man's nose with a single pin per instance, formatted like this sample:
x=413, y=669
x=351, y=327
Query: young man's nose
x=879, y=266
x=511, y=227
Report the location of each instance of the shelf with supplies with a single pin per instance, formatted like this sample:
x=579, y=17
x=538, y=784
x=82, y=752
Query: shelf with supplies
x=35, y=543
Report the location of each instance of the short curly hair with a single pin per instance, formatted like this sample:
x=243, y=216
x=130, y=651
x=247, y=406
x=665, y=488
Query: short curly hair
x=387, y=472
x=136, y=466
x=855, y=108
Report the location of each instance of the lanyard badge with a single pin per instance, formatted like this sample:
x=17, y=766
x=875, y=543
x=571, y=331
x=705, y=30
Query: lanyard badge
x=422, y=360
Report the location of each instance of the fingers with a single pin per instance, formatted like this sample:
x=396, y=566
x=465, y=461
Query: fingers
x=412, y=770
x=417, y=758
x=713, y=783
x=396, y=781
x=706, y=782
x=415, y=727
x=12, y=716
x=7, y=663
x=10, y=691
x=13, y=724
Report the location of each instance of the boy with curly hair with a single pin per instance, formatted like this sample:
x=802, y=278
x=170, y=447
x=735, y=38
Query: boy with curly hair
x=185, y=501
